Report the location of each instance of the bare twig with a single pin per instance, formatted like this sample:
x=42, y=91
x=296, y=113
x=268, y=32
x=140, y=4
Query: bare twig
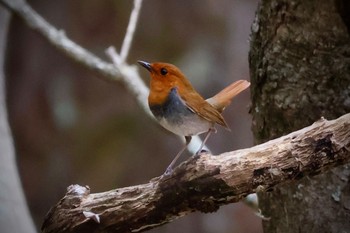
x=58, y=39
x=111, y=52
x=204, y=183
x=119, y=71
x=130, y=31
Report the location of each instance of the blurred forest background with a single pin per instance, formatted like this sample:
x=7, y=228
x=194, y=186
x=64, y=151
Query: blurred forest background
x=72, y=128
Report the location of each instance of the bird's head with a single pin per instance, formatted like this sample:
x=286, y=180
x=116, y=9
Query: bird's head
x=166, y=74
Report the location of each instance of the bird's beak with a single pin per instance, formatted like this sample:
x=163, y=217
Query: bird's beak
x=146, y=65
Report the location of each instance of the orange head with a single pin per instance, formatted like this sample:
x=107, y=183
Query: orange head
x=164, y=77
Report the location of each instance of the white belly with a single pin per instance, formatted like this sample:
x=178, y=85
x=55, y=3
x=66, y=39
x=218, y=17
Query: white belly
x=188, y=126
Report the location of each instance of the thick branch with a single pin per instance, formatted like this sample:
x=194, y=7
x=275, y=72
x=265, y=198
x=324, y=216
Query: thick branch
x=204, y=183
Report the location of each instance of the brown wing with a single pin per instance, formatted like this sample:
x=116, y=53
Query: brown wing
x=198, y=105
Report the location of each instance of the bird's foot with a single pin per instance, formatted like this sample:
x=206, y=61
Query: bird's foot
x=168, y=172
x=202, y=151
x=165, y=175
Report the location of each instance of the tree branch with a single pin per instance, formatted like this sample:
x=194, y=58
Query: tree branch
x=15, y=216
x=124, y=51
x=204, y=183
x=58, y=39
x=118, y=71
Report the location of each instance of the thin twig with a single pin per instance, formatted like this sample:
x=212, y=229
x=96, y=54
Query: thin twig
x=59, y=39
x=130, y=30
x=111, y=52
x=127, y=74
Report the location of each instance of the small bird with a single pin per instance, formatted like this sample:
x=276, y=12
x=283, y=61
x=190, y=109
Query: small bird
x=179, y=108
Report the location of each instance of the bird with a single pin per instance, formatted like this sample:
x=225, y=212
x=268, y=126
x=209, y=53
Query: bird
x=179, y=108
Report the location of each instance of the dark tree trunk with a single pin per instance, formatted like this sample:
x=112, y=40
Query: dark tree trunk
x=300, y=71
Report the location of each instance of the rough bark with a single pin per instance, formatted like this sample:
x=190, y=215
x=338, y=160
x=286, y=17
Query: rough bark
x=204, y=183
x=14, y=213
x=300, y=70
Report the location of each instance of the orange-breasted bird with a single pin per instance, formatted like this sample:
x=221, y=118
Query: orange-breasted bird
x=179, y=108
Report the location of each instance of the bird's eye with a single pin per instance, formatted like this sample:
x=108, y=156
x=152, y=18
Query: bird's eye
x=163, y=71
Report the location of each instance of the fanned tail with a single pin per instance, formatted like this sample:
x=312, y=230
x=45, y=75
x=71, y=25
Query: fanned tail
x=221, y=100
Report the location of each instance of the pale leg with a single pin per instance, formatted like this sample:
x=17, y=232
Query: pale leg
x=169, y=170
x=205, y=139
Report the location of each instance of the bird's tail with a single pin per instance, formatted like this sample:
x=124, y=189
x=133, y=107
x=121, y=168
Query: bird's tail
x=224, y=97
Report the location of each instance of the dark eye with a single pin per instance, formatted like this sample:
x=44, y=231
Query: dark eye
x=163, y=71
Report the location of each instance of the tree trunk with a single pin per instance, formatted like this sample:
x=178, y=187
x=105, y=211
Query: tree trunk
x=300, y=71
x=14, y=214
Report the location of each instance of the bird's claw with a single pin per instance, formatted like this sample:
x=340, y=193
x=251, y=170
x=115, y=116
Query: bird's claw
x=202, y=151
x=168, y=172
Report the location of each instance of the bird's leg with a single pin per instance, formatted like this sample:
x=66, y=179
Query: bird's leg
x=211, y=129
x=169, y=170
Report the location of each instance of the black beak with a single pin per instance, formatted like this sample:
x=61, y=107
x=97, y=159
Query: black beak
x=146, y=65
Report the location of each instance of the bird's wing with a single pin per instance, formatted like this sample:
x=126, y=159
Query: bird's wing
x=197, y=104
